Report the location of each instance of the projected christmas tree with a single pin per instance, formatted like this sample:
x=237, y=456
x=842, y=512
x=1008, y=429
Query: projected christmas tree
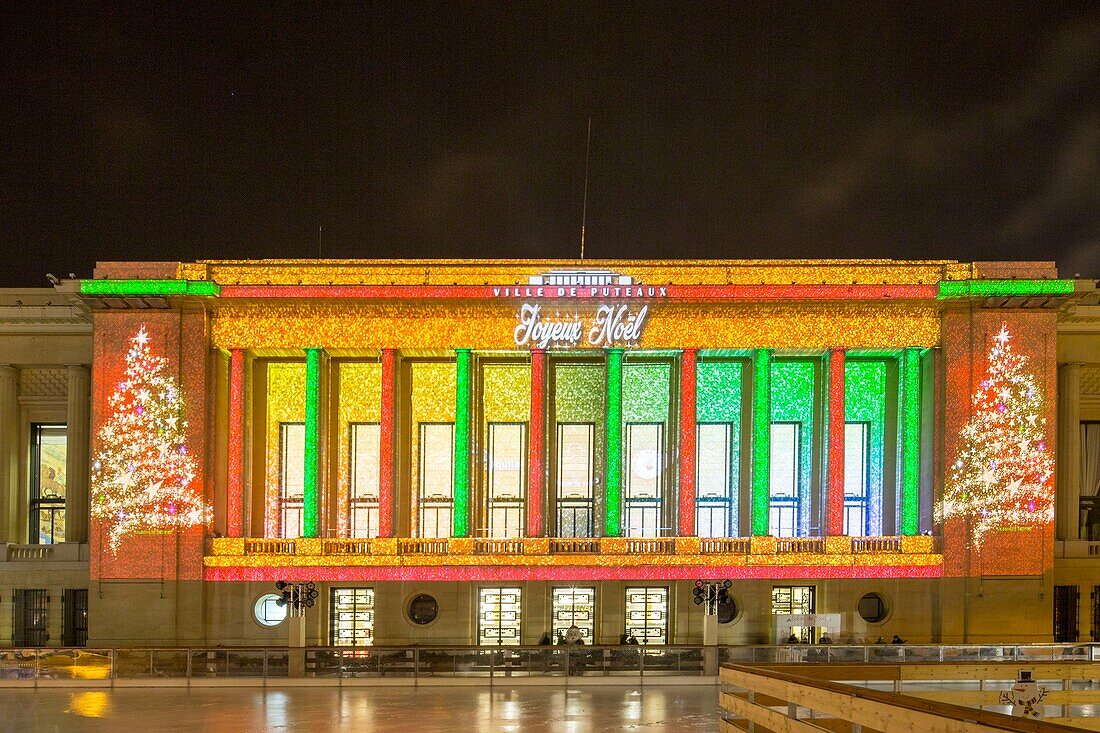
x=142, y=475
x=1002, y=474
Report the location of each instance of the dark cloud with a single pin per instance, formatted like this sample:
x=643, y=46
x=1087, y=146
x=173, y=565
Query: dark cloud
x=420, y=130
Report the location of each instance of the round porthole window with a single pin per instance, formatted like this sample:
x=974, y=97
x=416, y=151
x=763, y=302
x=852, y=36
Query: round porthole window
x=423, y=609
x=268, y=611
x=872, y=608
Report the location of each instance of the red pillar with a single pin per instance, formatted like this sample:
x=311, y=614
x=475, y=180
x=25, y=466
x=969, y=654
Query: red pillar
x=687, y=442
x=834, y=502
x=536, y=446
x=234, y=516
x=386, y=449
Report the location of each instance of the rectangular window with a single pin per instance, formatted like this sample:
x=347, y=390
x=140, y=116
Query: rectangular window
x=647, y=614
x=292, y=454
x=352, y=616
x=507, y=479
x=1066, y=598
x=437, y=466
x=574, y=606
x=643, y=493
x=857, y=436
x=30, y=617
x=1095, y=598
x=365, y=467
x=498, y=618
x=783, y=514
x=1090, y=481
x=714, y=480
x=788, y=599
x=575, y=471
x=74, y=606
x=47, y=489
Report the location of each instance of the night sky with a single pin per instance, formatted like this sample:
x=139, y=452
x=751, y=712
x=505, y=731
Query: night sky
x=966, y=130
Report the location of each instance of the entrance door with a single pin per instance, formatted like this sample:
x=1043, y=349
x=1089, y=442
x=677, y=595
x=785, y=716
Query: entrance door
x=788, y=599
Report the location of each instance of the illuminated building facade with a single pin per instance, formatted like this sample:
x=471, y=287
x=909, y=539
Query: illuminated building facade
x=481, y=452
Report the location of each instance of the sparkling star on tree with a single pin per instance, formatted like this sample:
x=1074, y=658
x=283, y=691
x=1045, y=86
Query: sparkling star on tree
x=142, y=477
x=1002, y=473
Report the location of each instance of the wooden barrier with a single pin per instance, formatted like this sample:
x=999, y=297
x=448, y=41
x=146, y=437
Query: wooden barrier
x=814, y=702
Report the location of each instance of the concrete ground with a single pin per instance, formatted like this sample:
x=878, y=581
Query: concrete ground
x=681, y=708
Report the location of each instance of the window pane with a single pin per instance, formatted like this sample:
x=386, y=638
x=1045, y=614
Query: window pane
x=352, y=616
x=647, y=614
x=644, y=484
x=856, y=488
x=74, y=628
x=507, y=478
x=714, y=482
x=30, y=617
x=574, y=606
x=575, y=469
x=855, y=458
x=783, y=510
x=499, y=616
x=365, y=467
x=784, y=459
x=436, y=479
x=788, y=599
x=47, y=491
x=292, y=451
x=1090, y=481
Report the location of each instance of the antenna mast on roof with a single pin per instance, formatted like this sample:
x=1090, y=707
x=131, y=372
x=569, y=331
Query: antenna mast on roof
x=584, y=208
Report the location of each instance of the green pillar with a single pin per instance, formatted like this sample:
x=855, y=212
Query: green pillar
x=461, y=519
x=613, y=485
x=312, y=443
x=761, y=439
x=910, y=442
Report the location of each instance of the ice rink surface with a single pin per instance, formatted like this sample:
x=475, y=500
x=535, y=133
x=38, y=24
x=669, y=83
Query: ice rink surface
x=680, y=708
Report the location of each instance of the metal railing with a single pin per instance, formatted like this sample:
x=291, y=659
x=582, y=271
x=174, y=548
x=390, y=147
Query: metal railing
x=629, y=664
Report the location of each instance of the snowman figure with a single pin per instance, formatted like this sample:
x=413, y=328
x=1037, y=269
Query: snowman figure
x=1025, y=696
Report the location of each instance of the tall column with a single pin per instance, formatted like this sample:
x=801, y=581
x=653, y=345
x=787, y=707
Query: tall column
x=761, y=439
x=910, y=442
x=1069, y=466
x=688, y=360
x=614, y=428
x=387, y=435
x=536, y=446
x=462, y=444
x=311, y=474
x=834, y=497
x=234, y=514
x=78, y=434
x=9, y=454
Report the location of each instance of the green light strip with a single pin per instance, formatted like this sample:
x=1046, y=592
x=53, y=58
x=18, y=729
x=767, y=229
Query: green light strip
x=865, y=401
x=137, y=288
x=717, y=400
x=614, y=403
x=1003, y=288
x=761, y=439
x=792, y=400
x=910, y=442
x=312, y=429
x=461, y=520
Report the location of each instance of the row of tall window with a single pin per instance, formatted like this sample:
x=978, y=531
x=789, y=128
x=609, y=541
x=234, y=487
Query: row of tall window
x=644, y=489
x=577, y=449
x=500, y=613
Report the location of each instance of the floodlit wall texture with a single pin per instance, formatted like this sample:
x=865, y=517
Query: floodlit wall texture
x=545, y=422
